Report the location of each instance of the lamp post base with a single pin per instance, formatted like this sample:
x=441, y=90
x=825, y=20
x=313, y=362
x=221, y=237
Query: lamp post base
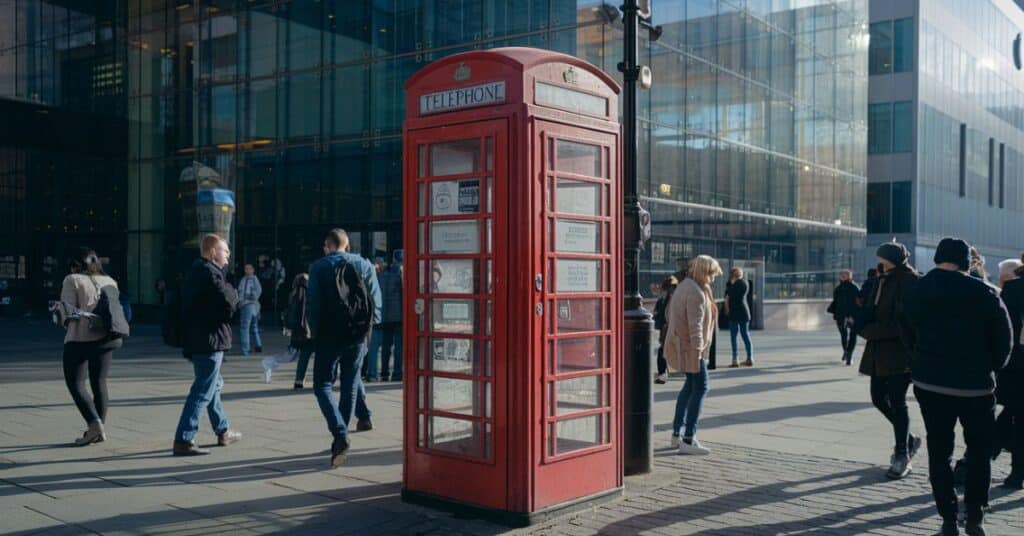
x=638, y=424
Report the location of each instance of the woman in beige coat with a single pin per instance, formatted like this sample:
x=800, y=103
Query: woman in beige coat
x=692, y=319
x=88, y=348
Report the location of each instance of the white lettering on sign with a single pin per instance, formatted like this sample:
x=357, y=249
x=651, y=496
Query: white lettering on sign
x=576, y=276
x=465, y=97
x=576, y=237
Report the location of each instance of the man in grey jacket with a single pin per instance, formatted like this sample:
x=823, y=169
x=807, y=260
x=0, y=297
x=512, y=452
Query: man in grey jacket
x=249, y=292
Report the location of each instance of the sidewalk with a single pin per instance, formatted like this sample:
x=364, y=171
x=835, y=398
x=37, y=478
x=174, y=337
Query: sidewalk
x=797, y=448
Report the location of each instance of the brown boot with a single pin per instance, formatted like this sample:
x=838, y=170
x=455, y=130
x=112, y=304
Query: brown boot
x=188, y=448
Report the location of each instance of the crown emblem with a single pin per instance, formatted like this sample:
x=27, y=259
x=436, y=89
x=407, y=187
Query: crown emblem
x=570, y=76
x=462, y=72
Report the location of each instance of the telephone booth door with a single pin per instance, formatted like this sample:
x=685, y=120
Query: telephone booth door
x=580, y=446
x=457, y=272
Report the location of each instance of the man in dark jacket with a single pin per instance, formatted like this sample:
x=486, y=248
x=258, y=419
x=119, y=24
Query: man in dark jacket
x=335, y=356
x=844, y=310
x=391, y=290
x=885, y=358
x=1010, y=387
x=960, y=336
x=208, y=303
x=869, y=286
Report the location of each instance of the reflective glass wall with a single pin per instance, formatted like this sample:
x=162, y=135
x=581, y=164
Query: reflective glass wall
x=753, y=138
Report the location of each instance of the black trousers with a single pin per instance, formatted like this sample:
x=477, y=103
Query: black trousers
x=662, y=364
x=977, y=415
x=889, y=395
x=88, y=360
x=846, y=335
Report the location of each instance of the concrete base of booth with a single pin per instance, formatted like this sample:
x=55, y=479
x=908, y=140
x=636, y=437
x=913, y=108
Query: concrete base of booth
x=510, y=519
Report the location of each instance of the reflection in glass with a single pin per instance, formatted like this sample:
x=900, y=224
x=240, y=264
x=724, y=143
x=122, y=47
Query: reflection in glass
x=453, y=276
x=462, y=356
x=455, y=396
x=578, y=314
x=579, y=394
x=576, y=434
x=579, y=158
x=454, y=435
x=575, y=355
x=453, y=316
x=455, y=157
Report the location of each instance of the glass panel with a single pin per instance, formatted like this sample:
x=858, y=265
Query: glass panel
x=455, y=157
x=573, y=275
x=456, y=276
x=570, y=99
x=576, y=237
x=421, y=436
x=454, y=237
x=579, y=158
x=455, y=197
x=461, y=356
x=578, y=315
x=455, y=435
x=880, y=48
x=452, y=316
x=489, y=151
x=880, y=128
x=422, y=161
x=579, y=394
x=455, y=396
x=902, y=130
x=488, y=433
x=576, y=434
x=575, y=197
x=574, y=355
x=422, y=398
x=903, y=54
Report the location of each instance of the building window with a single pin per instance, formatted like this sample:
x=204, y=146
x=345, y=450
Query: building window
x=901, y=206
x=902, y=133
x=879, y=207
x=892, y=47
x=880, y=128
x=903, y=45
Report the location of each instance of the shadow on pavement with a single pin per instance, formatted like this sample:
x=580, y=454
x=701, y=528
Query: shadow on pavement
x=817, y=409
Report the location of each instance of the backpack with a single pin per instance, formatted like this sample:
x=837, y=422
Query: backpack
x=110, y=311
x=172, y=326
x=349, y=312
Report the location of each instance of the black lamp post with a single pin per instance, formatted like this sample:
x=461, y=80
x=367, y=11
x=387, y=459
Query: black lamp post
x=638, y=327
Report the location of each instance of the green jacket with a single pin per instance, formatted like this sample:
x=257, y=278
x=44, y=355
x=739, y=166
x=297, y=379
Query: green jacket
x=885, y=354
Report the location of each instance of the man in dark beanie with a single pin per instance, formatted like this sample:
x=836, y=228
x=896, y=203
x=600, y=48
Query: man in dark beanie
x=885, y=358
x=959, y=334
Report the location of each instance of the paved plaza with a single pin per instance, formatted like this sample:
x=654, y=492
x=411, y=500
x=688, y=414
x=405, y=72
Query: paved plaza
x=797, y=449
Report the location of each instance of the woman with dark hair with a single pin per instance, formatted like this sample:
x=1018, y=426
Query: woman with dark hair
x=88, y=346
x=298, y=323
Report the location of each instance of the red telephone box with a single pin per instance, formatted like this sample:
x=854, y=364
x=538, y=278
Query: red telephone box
x=513, y=284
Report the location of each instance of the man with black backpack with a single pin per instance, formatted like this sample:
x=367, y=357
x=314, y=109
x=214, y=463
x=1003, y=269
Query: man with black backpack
x=343, y=302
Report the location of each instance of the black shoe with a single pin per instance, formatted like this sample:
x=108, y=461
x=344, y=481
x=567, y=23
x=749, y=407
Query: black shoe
x=364, y=426
x=297, y=385
x=949, y=528
x=975, y=528
x=1014, y=481
x=339, y=451
x=259, y=350
x=187, y=448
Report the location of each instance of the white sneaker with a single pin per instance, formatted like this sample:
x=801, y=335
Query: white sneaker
x=267, y=373
x=661, y=378
x=675, y=441
x=693, y=448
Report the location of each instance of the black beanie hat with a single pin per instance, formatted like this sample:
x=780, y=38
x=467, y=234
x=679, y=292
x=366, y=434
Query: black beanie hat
x=955, y=251
x=893, y=252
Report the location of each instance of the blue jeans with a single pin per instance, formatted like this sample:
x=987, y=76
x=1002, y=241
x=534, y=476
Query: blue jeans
x=373, y=358
x=392, y=337
x=352, y=394
x=205, y=394
x=250, y=318
x=303, y=364
x=743, y=328
x=690, y=401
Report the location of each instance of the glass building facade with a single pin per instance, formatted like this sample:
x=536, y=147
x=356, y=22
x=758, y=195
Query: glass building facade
x=952, y=147
x=753, y=138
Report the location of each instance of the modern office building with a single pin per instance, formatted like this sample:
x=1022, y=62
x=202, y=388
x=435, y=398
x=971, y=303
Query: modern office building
x=946, y=126
x=137, y=124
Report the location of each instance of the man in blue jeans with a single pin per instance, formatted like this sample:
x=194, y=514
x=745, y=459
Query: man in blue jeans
x=334, y=354
x=208, y=303
x=249, y=292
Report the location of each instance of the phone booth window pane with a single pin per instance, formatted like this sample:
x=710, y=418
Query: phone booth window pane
x=421, y=276
x=576, y=434
x=573, y=275
x=455, y=276
x=575, y=315
x=455, y=396
x=455, y=237
x=579, y=394
x=579, y=158
x=452, y=316
x=576, y=237
x=422, y=383
x=487, y=440
x=455, y=435
x=421, y=436
x=461, y=356
x=489, y=148
x=455, y=157
x=577, y=197
x=575, y=355
x=451, y=198
x=490, y=195
x=422, y=202
x=422, y=157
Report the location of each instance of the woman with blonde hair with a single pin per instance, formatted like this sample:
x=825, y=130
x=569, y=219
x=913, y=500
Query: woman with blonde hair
x=692, y=320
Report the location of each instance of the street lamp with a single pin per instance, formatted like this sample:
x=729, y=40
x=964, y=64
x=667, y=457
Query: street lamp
x=638, y=327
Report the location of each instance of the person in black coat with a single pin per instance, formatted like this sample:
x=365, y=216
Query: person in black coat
x=869, y=285
x=667, y=287
x=844, y=309
x=737, y=292
x=208, y=304
x=1010, y=384
x=959, y=335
